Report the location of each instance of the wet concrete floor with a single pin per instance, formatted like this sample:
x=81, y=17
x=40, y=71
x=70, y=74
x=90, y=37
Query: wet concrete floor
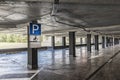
x=58, y=65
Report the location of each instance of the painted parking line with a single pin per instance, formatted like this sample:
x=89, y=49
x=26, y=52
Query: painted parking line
x=96, y=56
x=17, y=79
x=18, y=72
x=36, y=73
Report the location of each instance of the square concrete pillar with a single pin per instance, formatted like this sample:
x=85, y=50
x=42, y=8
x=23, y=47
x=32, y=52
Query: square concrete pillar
x=96, y=42
x=106, y=41
x=53, y=41
x=33, y=58
x=64, y=42
x=103, y=42
x=72, y=43
x=32, y=53
x=81, y=41
x=113, y=41
x=89, y=42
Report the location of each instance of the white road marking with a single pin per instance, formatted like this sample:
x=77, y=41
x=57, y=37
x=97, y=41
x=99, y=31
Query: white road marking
x=92, y=57
x=18, y=72
x=17, y=79
x=110, y=60
x=36, y=73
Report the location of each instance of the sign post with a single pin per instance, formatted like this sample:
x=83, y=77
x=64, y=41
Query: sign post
x=34, y=32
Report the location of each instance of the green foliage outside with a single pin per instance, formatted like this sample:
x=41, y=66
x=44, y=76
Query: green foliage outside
x=13, y=38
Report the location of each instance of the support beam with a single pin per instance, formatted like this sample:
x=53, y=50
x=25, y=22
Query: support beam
x=96, y=42
x=113, y=41
x=32, y=53
x=106, y=41
x=72, y=44
x=81, y=41
x=116, y=41
x=53, y=42
x=89, y=42
x=103, y=42
x=119, y=40
x=53, y=57
x=64, y=42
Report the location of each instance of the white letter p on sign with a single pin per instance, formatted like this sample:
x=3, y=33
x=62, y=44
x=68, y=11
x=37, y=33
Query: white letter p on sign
x=35, y=28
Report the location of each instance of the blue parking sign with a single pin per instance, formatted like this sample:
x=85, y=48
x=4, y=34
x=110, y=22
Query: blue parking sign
x=35, y=29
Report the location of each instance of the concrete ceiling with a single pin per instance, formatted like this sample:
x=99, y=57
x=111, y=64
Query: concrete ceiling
x=99, y=16
x=76, y=1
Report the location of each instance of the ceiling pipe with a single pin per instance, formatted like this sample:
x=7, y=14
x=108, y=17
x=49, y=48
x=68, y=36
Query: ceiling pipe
x=55, y=7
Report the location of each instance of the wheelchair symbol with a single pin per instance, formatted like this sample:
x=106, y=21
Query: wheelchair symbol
x=35, y=38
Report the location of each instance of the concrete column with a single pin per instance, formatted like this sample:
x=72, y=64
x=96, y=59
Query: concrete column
x=64, y=42
x=32, y=53
x=106, y=41
x=81, y=41
x=113, y=41
x=53, y=57
x=72, y=43
x=89, y=42
x=117, y=40
x=85, y=40
x=103, y=42
x=96, y=42
x=53, y=41
x=109, y=41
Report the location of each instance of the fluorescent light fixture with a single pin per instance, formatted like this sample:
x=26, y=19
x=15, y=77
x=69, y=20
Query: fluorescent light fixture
x=17, y=16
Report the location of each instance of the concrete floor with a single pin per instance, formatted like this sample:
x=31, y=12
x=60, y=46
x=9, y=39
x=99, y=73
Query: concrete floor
x=58, y=65
x=111, y=71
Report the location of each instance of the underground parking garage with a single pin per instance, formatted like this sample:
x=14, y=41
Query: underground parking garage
x=59, y=39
